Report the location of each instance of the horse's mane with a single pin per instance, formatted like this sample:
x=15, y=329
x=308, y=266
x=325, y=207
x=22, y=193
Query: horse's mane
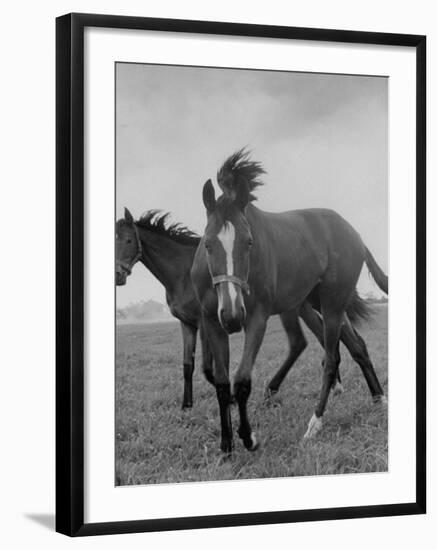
x=156, y=221
x=237, y=170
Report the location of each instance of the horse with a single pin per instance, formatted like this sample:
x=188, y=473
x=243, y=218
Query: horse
x=167, y=251
x=251, y=264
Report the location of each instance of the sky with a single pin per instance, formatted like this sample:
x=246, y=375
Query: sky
x=322, y=139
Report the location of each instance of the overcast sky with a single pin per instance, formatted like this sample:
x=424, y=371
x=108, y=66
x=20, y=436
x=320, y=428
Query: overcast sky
x=321, y=138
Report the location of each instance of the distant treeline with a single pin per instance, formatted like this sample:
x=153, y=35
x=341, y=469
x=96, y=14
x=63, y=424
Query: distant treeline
x=152, y=311
x=372, y=299
x=144, y=311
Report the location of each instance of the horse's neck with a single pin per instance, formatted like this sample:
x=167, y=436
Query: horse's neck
x=169, y=261
x=255, y=217
x=260, y=226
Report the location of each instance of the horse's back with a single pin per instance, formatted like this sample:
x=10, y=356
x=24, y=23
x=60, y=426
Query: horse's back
x=319, y=227
x=340, y=243
x=307, y=247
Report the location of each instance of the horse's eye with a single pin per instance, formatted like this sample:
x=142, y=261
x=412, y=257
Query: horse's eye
x=129, y=241
x=208, y=247
x=250, y=242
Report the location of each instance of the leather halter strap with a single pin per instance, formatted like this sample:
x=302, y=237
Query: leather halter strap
x=128, y=267
x=231, y=279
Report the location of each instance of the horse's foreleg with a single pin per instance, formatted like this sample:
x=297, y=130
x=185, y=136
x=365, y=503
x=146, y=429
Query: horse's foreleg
x=207, y=361
x=255, y=330
x=219, y=344
x=189, y=334
x=297, y=343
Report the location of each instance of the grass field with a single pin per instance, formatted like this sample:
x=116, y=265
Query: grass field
x=157, y=442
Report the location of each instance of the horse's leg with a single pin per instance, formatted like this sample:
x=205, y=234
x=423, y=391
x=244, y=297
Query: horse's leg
x=207, y=362
x=333, y=299
x=297, y=344
x=189, y=334
x=255, y=330
x=358, y=350
x=219, y=344
x=314, y=322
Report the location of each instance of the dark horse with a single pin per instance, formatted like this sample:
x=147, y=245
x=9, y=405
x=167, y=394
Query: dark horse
x=168, y=253
x=252, y=264
x=168, y=250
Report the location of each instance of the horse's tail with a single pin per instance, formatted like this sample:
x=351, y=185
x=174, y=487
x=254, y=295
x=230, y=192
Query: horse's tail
x=358, y=309
x=377, y=273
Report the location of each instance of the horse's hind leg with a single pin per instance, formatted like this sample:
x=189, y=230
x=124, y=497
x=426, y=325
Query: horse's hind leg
x=333, y=300
x=314, y=322
x=358, y=350
x=189, y=334
x=297, y=343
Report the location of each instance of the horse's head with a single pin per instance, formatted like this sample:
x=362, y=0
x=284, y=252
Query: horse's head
x=127, y=248
x=227, y=242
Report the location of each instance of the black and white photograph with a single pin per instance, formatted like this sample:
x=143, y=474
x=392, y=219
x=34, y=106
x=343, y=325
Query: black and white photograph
x=251, y=274
x=218, y=275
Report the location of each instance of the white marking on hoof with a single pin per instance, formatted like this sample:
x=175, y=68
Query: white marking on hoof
x=254, y=441
x=338, y=388
x=314, y=426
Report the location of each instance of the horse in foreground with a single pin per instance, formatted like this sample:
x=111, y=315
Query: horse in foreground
x=167, y=251
x=253, y=264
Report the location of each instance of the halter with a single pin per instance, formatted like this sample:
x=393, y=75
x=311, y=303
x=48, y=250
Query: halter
x=231, y=279
x=128, y=267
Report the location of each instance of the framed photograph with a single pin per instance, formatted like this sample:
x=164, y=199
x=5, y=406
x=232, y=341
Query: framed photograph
x=232, y=202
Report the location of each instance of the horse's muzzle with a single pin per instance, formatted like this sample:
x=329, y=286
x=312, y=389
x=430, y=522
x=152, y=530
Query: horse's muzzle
x=120, y=277
x=230, y=308
x=232, y=323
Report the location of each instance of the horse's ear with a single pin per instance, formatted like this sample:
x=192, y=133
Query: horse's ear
x=128, y=217
x=243, y=195
x=209, y=196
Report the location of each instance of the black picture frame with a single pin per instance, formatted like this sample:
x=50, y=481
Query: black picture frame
x=70, y=273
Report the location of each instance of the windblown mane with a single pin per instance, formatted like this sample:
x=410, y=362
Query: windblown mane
x=156, y=221
x=238, y=168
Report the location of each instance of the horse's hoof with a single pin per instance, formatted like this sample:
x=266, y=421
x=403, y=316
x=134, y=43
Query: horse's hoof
x=227, y=447
x=273, y=401
x=338, y=389
x=380, y=400
x=249, y=440
x=314, y=426
x=251, y=443
x=225, y=458
x=254, y=443
x=269, y=394
x=188, y=405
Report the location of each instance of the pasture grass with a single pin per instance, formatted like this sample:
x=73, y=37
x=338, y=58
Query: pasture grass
x=157, y=442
